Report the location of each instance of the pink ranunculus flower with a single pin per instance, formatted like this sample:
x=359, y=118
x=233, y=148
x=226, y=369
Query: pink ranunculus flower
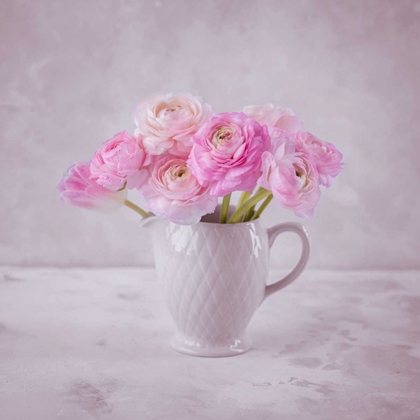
x=120, y=162
x=292, y=179
x=174, y=193
x=327, y=159
x=279, y=137
x=274, y=116
x=227, y=153
x=167, y=122
x=78, y=189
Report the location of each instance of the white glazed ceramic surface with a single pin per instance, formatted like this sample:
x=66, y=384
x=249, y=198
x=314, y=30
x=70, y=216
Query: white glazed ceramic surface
x=214, y=278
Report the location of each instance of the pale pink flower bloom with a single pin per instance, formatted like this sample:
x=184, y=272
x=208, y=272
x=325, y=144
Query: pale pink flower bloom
x=78, y=189
x=120, y=162
x=227, y=153
x=174, y=193
x=292, y=179
x=275, y=116
x=278, y=137
x=325, y=156
x=167, y=122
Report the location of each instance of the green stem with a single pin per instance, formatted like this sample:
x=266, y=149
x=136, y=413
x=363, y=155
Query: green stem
x=136, y=208
x=236, y=217
x=244, y=196
x=263, y=206
x=225, y=208
x=250, y=212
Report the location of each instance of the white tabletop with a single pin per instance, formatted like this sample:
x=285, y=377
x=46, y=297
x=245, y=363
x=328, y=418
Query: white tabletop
x=79, y=344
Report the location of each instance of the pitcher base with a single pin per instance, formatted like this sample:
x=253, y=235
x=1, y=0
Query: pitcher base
x=194, y=348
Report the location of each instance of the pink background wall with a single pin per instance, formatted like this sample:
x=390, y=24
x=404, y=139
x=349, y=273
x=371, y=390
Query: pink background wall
x=72, y=72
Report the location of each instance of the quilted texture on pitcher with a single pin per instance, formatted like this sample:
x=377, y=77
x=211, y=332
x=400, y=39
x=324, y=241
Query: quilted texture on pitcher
x=213, y=279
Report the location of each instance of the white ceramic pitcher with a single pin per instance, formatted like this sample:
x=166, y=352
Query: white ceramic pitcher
x=214, y=278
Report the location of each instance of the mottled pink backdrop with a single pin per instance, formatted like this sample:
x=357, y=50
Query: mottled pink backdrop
x=72, y=73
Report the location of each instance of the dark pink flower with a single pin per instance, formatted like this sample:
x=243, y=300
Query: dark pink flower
x=226, y=153
x=120, y=162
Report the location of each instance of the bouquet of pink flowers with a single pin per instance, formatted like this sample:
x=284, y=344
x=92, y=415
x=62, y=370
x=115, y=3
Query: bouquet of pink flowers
x=182, y=157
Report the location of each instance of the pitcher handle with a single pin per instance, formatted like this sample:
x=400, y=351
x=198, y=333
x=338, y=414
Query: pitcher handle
x=303, y=234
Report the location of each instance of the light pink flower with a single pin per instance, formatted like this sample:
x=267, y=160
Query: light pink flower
x=78, y=189
x=174, y=193
x=119, y=162
x=278, y=137
x=292, y=178
x=274, y=116
x=227, y=153
x=167, y=122
x=325, y=156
